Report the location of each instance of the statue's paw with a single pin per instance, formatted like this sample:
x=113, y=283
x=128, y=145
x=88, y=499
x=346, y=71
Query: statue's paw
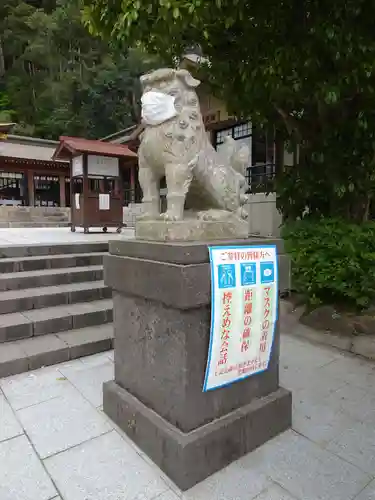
x=208, y=216
x=148, y=216
x=170, y=216
x=216, y=215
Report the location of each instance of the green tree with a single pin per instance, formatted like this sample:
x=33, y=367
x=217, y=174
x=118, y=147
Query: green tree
x=57, y=78
x=306, y=66
x=6, y=113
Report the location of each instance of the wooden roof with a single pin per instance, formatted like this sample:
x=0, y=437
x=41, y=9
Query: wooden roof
x=73, y=146
x=126, y=135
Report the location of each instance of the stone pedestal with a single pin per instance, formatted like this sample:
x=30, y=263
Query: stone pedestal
x=192, y=229
x=162, y=328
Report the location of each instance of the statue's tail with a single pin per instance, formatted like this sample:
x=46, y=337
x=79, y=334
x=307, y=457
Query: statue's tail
x=223, y=183
x=241, y=159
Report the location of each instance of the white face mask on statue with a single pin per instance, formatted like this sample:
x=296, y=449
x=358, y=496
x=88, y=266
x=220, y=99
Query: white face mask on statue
x=157, y=107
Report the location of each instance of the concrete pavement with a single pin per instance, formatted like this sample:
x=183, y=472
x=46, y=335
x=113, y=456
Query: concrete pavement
x=56, y=443
x=36, y=236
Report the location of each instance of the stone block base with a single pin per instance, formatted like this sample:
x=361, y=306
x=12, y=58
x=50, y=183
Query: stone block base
x=188, y=458
x=192, y=229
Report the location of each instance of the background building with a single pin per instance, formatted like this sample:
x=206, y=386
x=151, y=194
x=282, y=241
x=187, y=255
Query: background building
x=219, y=124
x=28, y=174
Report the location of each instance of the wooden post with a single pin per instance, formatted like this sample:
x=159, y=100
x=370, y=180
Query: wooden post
x=62, y=190
x=31, y=187
x=85, y=193
x=132, y=182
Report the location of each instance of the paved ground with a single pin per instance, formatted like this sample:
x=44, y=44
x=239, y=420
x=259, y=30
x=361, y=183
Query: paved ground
x=56, y=443
x=31, y=236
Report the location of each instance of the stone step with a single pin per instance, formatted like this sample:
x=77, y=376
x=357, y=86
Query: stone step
x=49, y=277
x=15, y=326
x=29, y=354
x=50, y=216
x=49, y=296
x=19, y=264
x=49, y=221
x=34, y=250
x=32, y=224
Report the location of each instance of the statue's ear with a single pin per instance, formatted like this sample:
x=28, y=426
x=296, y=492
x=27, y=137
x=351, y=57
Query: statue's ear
x=188, y=79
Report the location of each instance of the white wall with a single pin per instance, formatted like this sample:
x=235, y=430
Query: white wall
x=264, y=218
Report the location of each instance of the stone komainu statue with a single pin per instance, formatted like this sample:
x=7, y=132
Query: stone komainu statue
x=200, y=181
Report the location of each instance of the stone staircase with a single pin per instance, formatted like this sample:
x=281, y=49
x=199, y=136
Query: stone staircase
x=54, y=305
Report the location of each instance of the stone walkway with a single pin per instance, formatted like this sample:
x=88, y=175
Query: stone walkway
x=56, y=443
x=36, y=236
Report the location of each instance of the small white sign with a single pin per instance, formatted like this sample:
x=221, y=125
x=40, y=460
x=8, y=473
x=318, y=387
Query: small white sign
x=76, y=198
x=102, y=165
x=77, y=166
x=103, y=201
x=244, y=298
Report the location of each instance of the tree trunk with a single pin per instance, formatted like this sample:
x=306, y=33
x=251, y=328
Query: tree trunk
x=362, y=208
x=366, y=212
x=2, y=59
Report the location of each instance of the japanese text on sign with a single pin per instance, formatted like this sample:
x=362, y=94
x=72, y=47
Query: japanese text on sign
x=243, y=312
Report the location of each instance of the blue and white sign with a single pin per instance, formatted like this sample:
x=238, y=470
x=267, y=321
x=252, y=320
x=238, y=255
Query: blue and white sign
x=226, y=275
x=248, y=274
x=267, y=272
x=244, y=301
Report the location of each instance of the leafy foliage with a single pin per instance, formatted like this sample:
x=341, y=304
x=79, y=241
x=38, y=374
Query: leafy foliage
x=6, y=113
x=308, y=67
x=56, y=78
x=332, y=261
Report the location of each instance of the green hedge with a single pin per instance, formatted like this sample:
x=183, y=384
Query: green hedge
x=333, y=262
